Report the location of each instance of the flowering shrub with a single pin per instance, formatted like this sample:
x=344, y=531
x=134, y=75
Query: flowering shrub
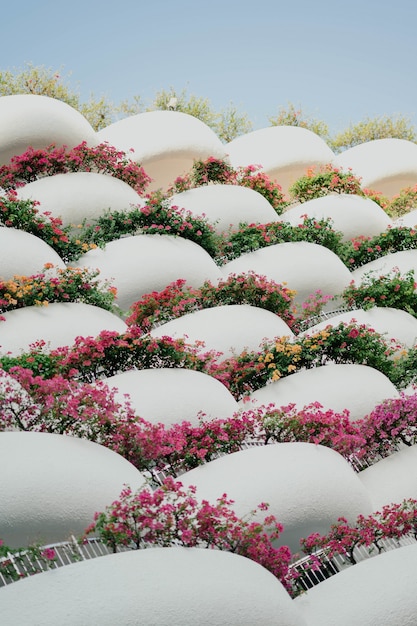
x=362, y=250
x=218, y=171
x=16, y=563
x=76, y=408
x=388, y=290
x=172, y=516
x=56, y=285
x=178, y=298
x=156, y=217
x=345, y=343
x=404, y=202
x=390, y=426
x=327, y=179
x=103, y=159
x=24, y=215
x=393, y=522
x=111, y=353
x=376, y=196
x=251, y=237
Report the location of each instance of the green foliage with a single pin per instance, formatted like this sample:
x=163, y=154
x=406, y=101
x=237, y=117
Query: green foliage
x=404, y=202
x=382, y=127
x=361, y=250
x=394, y=290
x=42, y=81
x=251, y=237
x=323, y=181
x=290, y=116
x=227, y=123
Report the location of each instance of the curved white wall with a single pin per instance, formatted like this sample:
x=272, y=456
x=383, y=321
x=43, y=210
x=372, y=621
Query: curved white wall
x=158, y=587
x=53, y=484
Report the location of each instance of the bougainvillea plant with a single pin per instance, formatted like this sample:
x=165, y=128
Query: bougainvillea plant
x=321, y=181
x=173, y=516
x=102, y=159
x=218, y=171
x=57, y=284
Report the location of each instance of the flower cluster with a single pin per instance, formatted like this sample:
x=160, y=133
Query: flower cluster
x=345, y=343
x=393, y=522
x=178, y=298
x=404, y=202
x=155, y=217
x=172, y=516
x=16, y=563
x=362, y=250
x=322, y=181
x=251, y=237
x=394, y=290
x=56, y=285
x=91, y=411
x=24, y=215
x=218, y=171
x=103, y=159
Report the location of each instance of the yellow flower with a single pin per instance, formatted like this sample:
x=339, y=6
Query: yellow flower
x=276, y=375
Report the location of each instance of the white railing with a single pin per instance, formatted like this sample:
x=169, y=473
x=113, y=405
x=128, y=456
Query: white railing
x=310, y=570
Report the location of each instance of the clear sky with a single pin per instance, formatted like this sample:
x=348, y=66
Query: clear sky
x=339, y=61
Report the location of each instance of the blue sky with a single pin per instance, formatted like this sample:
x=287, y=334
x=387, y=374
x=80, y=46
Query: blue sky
x=338, y=61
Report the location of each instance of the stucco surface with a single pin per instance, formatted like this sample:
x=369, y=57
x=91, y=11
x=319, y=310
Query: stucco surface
x=379, y=591
x=57, y=324
x=53, y=484
x=393, y=479
x=350, y=214
x=79, y=196
x=386, y=165
x=38, y=121
x=357, y=388
x=165, y=143
x=402, y=261
x=156, y=587
x=226, y=329
x=24, y=254
x=284, y=152
x=141, y=264
x=307, y=486
x=173, y=395
x=226, y=205
x=305, y=267
x=391, y=323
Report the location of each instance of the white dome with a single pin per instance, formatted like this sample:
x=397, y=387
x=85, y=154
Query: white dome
x=392, y=323
x=305, y=267
x=392, y=479
x=171, y=395
x=226, y=205
x=54, y=484
x=226, y=329
x=284, y=152
x=38, y=121
x=404, y=261
x=144, y=263
x=158, y=587
x=350, y=214
x=386, y=165
x=80, y=195
x=307, y=486
x=358, y=388
x=58, y=324
x=380, y=590
x=23, y=254
x=409, y=220
x=165, y=143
